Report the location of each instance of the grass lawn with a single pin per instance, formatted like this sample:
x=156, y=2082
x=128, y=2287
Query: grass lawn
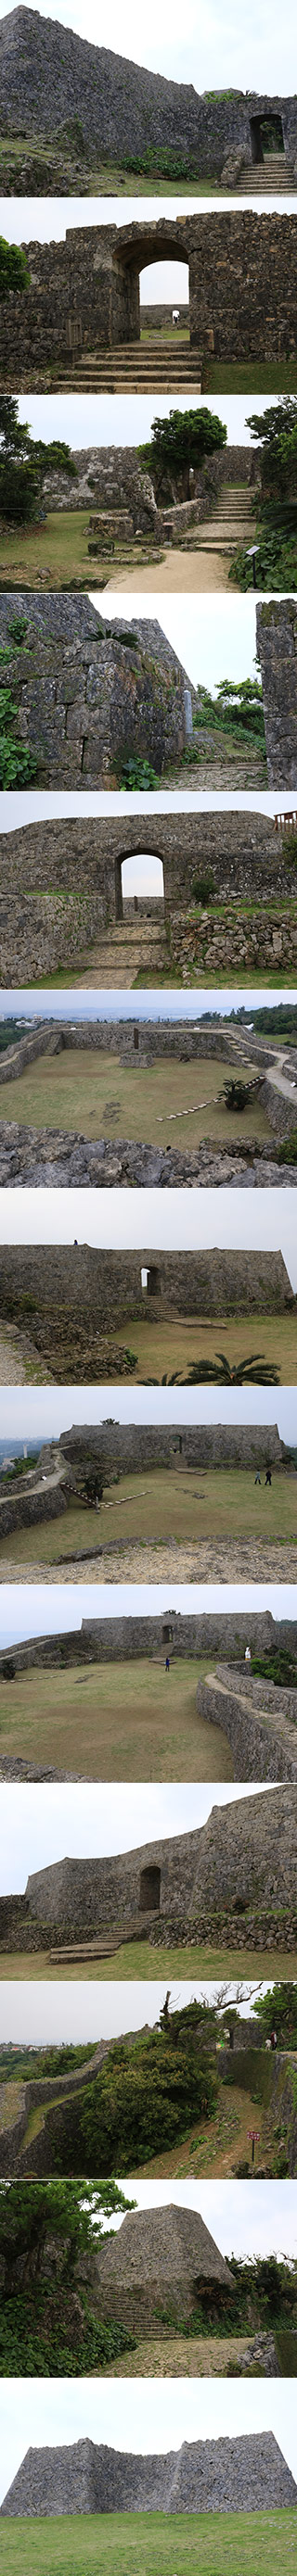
x=257, y=377
x=213, y=2544
x=115, y=1722
x=213, y=1503
x=56, y=552
x=170, y=1343
x=101, y=1097
x=137, y=1960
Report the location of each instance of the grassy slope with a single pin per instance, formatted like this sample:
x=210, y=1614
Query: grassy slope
x=100, y=1097
x=147, y=2545
x=163, y=1504
x=115, y=1722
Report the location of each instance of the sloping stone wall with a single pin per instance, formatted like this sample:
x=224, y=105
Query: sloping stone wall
x=122, y=107
x=247, y=2474
x=246, y=1851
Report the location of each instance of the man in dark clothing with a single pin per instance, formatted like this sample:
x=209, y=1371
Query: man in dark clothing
x=268, y=1476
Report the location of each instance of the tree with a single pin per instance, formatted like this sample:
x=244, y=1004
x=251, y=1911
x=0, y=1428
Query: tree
x=14, y=272
x=242, y=701
x=24, y=464
x=184, y=439
x=278, y=2009
x=142, y=2101
x=279, y=416
x=74, y=2211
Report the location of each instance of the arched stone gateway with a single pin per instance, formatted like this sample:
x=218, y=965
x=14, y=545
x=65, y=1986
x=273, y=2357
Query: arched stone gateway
x=242, y=289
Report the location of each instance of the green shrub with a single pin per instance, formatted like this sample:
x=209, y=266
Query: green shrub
x=142, y=2101
x=14, y=272
x=203, y=887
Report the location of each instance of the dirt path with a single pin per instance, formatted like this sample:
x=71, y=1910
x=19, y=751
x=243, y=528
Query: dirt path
x=180, y=570
x=215, y=2148
x=14, y=1364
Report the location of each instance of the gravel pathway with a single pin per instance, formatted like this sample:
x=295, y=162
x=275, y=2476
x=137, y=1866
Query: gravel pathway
x=218, y=1561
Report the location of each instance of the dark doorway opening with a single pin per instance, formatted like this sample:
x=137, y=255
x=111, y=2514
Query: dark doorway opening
x=266, y=136
x=167, y=1634
x=150, y=1282
x=136, y=1038
x=149, y=1890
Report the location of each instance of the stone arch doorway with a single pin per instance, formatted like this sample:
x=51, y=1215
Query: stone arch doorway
x=140, y=261
x=267, y=136
x=139, y=884
x=149, y=1890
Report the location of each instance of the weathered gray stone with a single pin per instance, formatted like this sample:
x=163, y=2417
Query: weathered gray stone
x=84, y=291
x=277, y=647
x=239, y=2476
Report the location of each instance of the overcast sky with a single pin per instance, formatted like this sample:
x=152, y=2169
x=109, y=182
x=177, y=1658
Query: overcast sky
x=156, y=2416
x=37, y=1613
x=18, y=812
x=115, y=1005
x=247, y=50
x=210, y=648
x=43, y=1413
x=41, y=2014
x=125, y=420
x=151, y=1219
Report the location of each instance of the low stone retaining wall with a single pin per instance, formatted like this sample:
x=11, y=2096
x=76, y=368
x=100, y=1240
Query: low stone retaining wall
x=262, y=1734
x=260, y=938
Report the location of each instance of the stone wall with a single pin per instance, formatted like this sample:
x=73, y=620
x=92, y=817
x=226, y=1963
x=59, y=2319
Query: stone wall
x=109, y=1641
x=125, y=1446
x=245, y=1852
x=111, y=479
x=120, y=106
x=260, y=941
x=148, y=1041
x=65, y=879
x=84, y=291
x=277, y=647
x=88, y=696
x=260, y=1724
x=247, y=2474
x=104, y=1288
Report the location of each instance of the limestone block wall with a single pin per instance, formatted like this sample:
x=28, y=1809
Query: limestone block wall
x=106, y=1287
x=134, y=1042
x=108, y=1641
x=246, y=1851
x=277, y=646
x=65, y=879
x=260, y=1726
x=245, y=2474
x=86, y=696
x=126, y=1446
x=121, y=106
x=85, y=291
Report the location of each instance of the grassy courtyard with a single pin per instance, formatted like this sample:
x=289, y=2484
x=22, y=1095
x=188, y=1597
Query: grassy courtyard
x=114, y=1722
x=214, y=2544
x=170, y=1344
x=100, y=1097
x=166, y=1503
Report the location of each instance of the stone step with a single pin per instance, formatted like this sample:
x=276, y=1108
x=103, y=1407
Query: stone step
x=133, y=368
x=270, y=178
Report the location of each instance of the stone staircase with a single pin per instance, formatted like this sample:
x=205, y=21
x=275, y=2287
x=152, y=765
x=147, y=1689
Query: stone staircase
x=159, y=367
x=125, y=953
x=273, y=177
x=231, y=523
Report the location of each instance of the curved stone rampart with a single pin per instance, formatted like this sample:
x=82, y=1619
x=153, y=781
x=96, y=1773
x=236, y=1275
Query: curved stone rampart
x=261, y=1726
